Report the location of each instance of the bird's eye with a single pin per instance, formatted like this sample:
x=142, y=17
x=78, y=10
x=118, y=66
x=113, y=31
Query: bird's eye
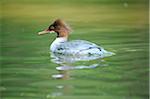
x=51, y=27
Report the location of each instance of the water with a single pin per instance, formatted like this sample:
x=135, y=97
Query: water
x=28, y=71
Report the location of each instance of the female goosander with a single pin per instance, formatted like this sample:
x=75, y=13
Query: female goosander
x=62, y=46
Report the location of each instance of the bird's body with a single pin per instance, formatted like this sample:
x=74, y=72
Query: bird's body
x=76, y=47
x=62, y=46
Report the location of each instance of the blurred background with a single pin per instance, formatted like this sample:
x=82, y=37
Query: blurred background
x=120, y=26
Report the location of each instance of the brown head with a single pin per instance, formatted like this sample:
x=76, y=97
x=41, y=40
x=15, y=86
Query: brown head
x=59, y=27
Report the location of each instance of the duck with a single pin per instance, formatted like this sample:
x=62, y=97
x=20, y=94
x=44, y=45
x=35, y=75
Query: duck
x=62, y=46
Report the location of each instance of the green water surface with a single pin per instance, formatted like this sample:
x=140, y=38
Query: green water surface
x=120, y=26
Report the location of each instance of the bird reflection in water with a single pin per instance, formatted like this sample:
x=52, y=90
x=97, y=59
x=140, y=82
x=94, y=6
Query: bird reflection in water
x=74, y=62
x=68, y=63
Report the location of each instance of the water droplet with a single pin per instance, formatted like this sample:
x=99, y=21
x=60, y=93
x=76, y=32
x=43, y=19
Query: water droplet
x=125, y=5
